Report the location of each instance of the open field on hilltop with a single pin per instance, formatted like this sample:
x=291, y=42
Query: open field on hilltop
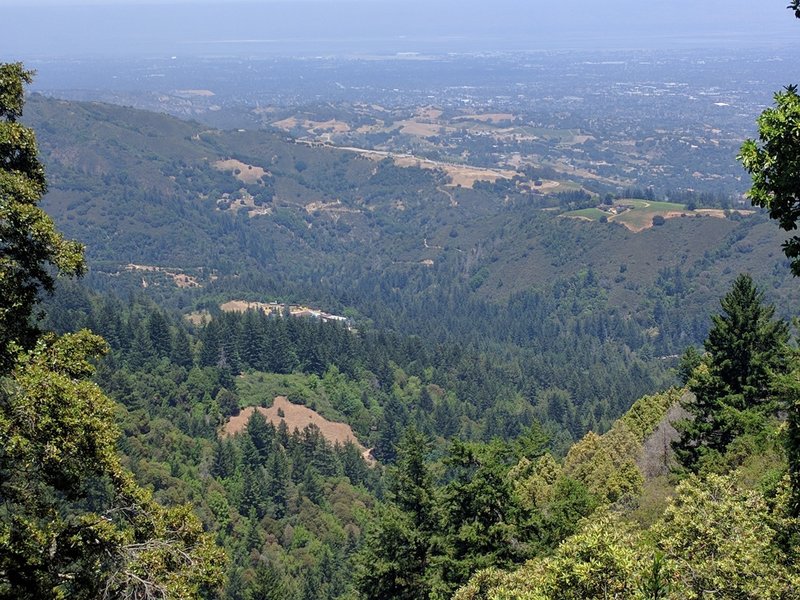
x=243, y=306
x=463, y=175
x=429, y=112
x=641, y=212
x=592, y=214
x=418, y=128
x=246, y=173
x=636, y=214
x=179, y=278
x=331, y=125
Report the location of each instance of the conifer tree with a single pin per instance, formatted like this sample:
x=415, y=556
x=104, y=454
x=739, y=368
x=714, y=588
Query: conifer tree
x=395, y=558
x=745, y=349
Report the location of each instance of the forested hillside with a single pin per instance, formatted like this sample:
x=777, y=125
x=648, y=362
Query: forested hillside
x=503, y=366
x=573, y=318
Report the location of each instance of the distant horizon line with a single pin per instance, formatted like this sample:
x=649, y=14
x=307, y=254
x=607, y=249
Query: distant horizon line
x=332, y=47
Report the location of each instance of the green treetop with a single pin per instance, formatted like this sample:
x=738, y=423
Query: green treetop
x=29, y=242
x=73, y=523
x=746, y=347
x=774, y=165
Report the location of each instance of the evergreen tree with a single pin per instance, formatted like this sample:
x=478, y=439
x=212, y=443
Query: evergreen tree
x=312, y=486
x=395, y=417
x=745, y=345
x=211, y=352
x=410, y=484
x=353, y=464
x=158, y=331
x=261, y=433
x=745, y=349
x=253, y=347
x=181, y=350
x=141, y=350
x=395, y=558
x=277, y=470
x=267, y=584
x=481, y=519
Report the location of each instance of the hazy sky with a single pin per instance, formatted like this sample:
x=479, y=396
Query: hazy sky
x=82, y=28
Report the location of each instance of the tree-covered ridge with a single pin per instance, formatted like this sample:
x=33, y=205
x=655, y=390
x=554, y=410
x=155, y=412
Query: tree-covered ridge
x=731, y=529
x=575, y=319
x=471, y=396
x=497, y=504
x=380, y=384
x=432, y=531
x=343, y=231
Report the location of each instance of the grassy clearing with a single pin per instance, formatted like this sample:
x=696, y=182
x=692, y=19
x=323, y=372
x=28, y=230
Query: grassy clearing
x=258, y=389
x=641, y=215
x=593, y=214
x=636, y=214
x=651, y=205
x=296, y=417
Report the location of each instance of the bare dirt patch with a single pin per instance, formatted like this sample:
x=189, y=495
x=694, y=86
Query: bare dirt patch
x=243, y=306
x=332, y=207
x=182, y=280
x=544, y=184
x=285, y=124
x=245, y=202
x=486, y=118
x=297, y=417
x=639, y=220
x=195, y=93
x=459, y=175
x=466, y=176
x=419, y=129
x=720, y=214
x=246, y=173
x=330, y=126
x=428, y=112
x=198, y=317
x=463, y=175
x=378, y=127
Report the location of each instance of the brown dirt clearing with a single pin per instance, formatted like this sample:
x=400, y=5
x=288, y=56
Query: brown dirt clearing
x=181, y=280
x=419, y=129
x=247, y=173
x=243, y=306
x=428, y=112
x=297, y=417
x=198, y=317
x=333, y=207
x=486, y=118
x=644, y=217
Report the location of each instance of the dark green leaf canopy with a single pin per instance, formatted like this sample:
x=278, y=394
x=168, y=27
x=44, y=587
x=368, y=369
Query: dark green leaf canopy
x=29, y=242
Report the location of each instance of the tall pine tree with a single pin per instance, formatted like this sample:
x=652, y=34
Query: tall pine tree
x=745, y=349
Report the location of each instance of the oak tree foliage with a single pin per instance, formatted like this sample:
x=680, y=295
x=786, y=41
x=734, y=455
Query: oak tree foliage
x=73, y=522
